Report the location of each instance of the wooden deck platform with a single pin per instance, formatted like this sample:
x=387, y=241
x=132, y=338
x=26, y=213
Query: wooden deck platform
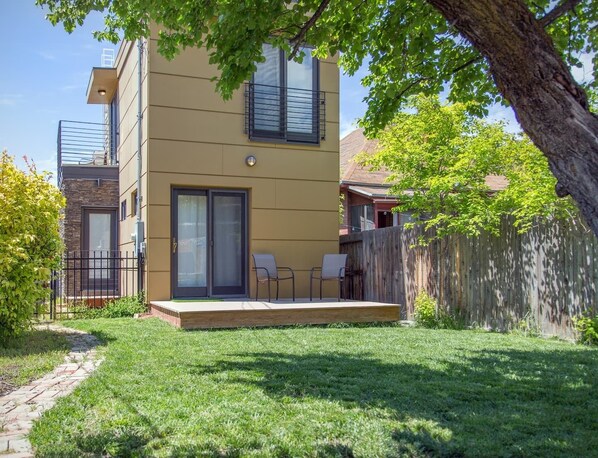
x=247, y=313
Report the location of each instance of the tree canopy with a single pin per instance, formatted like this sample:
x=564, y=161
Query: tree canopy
x=409, y=46
x=439, y=157
x=518, y=52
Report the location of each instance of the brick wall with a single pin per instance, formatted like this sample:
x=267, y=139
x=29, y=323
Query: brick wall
x=81, y=193
x=84, y=193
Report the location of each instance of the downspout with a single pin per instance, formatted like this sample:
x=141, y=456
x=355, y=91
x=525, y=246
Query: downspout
x=139, y=229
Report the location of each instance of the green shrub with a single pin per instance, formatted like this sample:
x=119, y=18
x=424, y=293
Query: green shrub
x=30, y=243
x=123, y=307
x=429, y=315
x=425, y=310
x=588, y=329
x=118, y=308
x=527, y=326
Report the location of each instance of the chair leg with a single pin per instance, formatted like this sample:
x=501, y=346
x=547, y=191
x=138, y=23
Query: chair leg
x=338, y=294
x=277, y=287
x=257, y=288
x=269, y=295
x=293, y=280
x=320, y=289
x=311, y=282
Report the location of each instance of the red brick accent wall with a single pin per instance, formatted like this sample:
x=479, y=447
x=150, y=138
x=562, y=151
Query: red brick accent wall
x=81, y=193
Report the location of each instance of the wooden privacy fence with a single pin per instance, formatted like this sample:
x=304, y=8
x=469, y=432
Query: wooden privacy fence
x=544, y=277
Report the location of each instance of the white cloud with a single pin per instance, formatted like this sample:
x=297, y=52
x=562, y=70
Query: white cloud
x=47, y=55
x=9, y=99
x=72, y=87
x=346, y=126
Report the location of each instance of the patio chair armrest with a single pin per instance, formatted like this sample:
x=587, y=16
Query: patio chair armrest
x=287, y=269
x=263, y=268
x=313, y=270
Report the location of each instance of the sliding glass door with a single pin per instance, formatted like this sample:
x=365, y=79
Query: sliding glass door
x=209, y=243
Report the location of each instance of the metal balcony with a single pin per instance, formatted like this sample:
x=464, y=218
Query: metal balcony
x=84, y=144
x=275, y=113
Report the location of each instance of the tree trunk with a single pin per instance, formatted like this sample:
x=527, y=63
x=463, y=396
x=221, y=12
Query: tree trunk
x=528, y=71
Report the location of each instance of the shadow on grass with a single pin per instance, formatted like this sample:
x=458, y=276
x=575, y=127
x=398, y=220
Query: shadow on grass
x=34, y=342
x=506, y=402
x=491, y=403
x=191, y=451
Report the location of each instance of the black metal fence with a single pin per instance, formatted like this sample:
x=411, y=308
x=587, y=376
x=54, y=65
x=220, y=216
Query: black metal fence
x=89, y=279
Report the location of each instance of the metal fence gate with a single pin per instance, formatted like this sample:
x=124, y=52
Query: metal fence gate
x=89, y=279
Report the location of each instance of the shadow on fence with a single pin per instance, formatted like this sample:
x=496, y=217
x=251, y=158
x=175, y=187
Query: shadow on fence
x=544, y=277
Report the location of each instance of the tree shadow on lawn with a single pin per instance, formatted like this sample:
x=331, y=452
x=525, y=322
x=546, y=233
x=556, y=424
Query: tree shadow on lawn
x=34, y=342
x=505, y=402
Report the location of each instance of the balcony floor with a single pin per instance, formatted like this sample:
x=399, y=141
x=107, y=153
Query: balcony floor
x=248, y=313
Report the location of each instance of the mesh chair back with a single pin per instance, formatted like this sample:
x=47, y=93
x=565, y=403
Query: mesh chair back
x=332, y=265
x=266, y=261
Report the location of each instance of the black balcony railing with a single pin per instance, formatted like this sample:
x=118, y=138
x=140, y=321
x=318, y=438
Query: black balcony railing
x=84, y=143
x=284, y=114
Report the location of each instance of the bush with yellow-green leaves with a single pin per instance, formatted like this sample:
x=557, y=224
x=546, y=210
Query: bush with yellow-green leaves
x=30, y=243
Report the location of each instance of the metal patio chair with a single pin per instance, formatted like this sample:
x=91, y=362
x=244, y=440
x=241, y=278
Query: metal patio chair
x=333, y=268
x=266, y=271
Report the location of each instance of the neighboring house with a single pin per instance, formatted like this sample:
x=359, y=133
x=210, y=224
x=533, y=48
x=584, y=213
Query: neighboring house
x=366, y=204
x=365, y=199
x=215, y=181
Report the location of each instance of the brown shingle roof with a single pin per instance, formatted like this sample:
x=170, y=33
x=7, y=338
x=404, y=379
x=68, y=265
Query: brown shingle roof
x=496, y=182
x=355, y=142
x=351, y=145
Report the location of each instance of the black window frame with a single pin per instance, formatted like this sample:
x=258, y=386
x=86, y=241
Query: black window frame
x=283, y=134
x=111, y=283
x=114, y=120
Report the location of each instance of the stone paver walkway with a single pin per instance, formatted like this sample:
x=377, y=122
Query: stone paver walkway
x=19, y=408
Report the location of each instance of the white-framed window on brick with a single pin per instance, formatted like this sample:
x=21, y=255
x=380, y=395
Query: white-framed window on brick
x=283, y=101
x=99, y=242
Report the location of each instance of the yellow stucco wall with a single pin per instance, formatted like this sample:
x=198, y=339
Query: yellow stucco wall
x=127, y=65
x=192, y=138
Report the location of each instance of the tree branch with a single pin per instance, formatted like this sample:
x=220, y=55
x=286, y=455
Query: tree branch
x=558, y=11
x=298, y=39
x=410, y=85
x=546, y=20
x=466, y=64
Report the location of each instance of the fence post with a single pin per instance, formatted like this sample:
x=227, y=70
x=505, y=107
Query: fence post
x=53, y=287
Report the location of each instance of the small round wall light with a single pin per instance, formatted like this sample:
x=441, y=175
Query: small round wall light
x=102, y=92
x=250, y=161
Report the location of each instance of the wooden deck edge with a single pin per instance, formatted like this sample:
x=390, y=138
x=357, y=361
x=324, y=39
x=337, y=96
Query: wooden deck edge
x=219, y=319
x=165, y=314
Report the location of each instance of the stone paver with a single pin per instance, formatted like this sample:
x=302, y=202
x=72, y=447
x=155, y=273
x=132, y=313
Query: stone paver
x=19, y=408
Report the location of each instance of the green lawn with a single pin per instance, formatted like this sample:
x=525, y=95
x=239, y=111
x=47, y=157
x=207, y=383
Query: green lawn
x=30, y=356
x=352, y=391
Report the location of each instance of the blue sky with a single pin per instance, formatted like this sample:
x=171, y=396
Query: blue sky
x=44, y=78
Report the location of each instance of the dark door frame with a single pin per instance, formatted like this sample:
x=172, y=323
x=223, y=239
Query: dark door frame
x=110, y=284
x=174, y=236
x=208, y=291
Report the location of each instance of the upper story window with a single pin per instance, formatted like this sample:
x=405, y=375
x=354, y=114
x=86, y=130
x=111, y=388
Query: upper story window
x=283, y=101
x=113, y=121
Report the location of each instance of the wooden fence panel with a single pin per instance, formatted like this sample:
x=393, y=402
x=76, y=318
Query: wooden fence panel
x=544, y=277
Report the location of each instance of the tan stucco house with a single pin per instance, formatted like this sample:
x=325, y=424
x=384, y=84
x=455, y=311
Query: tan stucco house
x=215, y=181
